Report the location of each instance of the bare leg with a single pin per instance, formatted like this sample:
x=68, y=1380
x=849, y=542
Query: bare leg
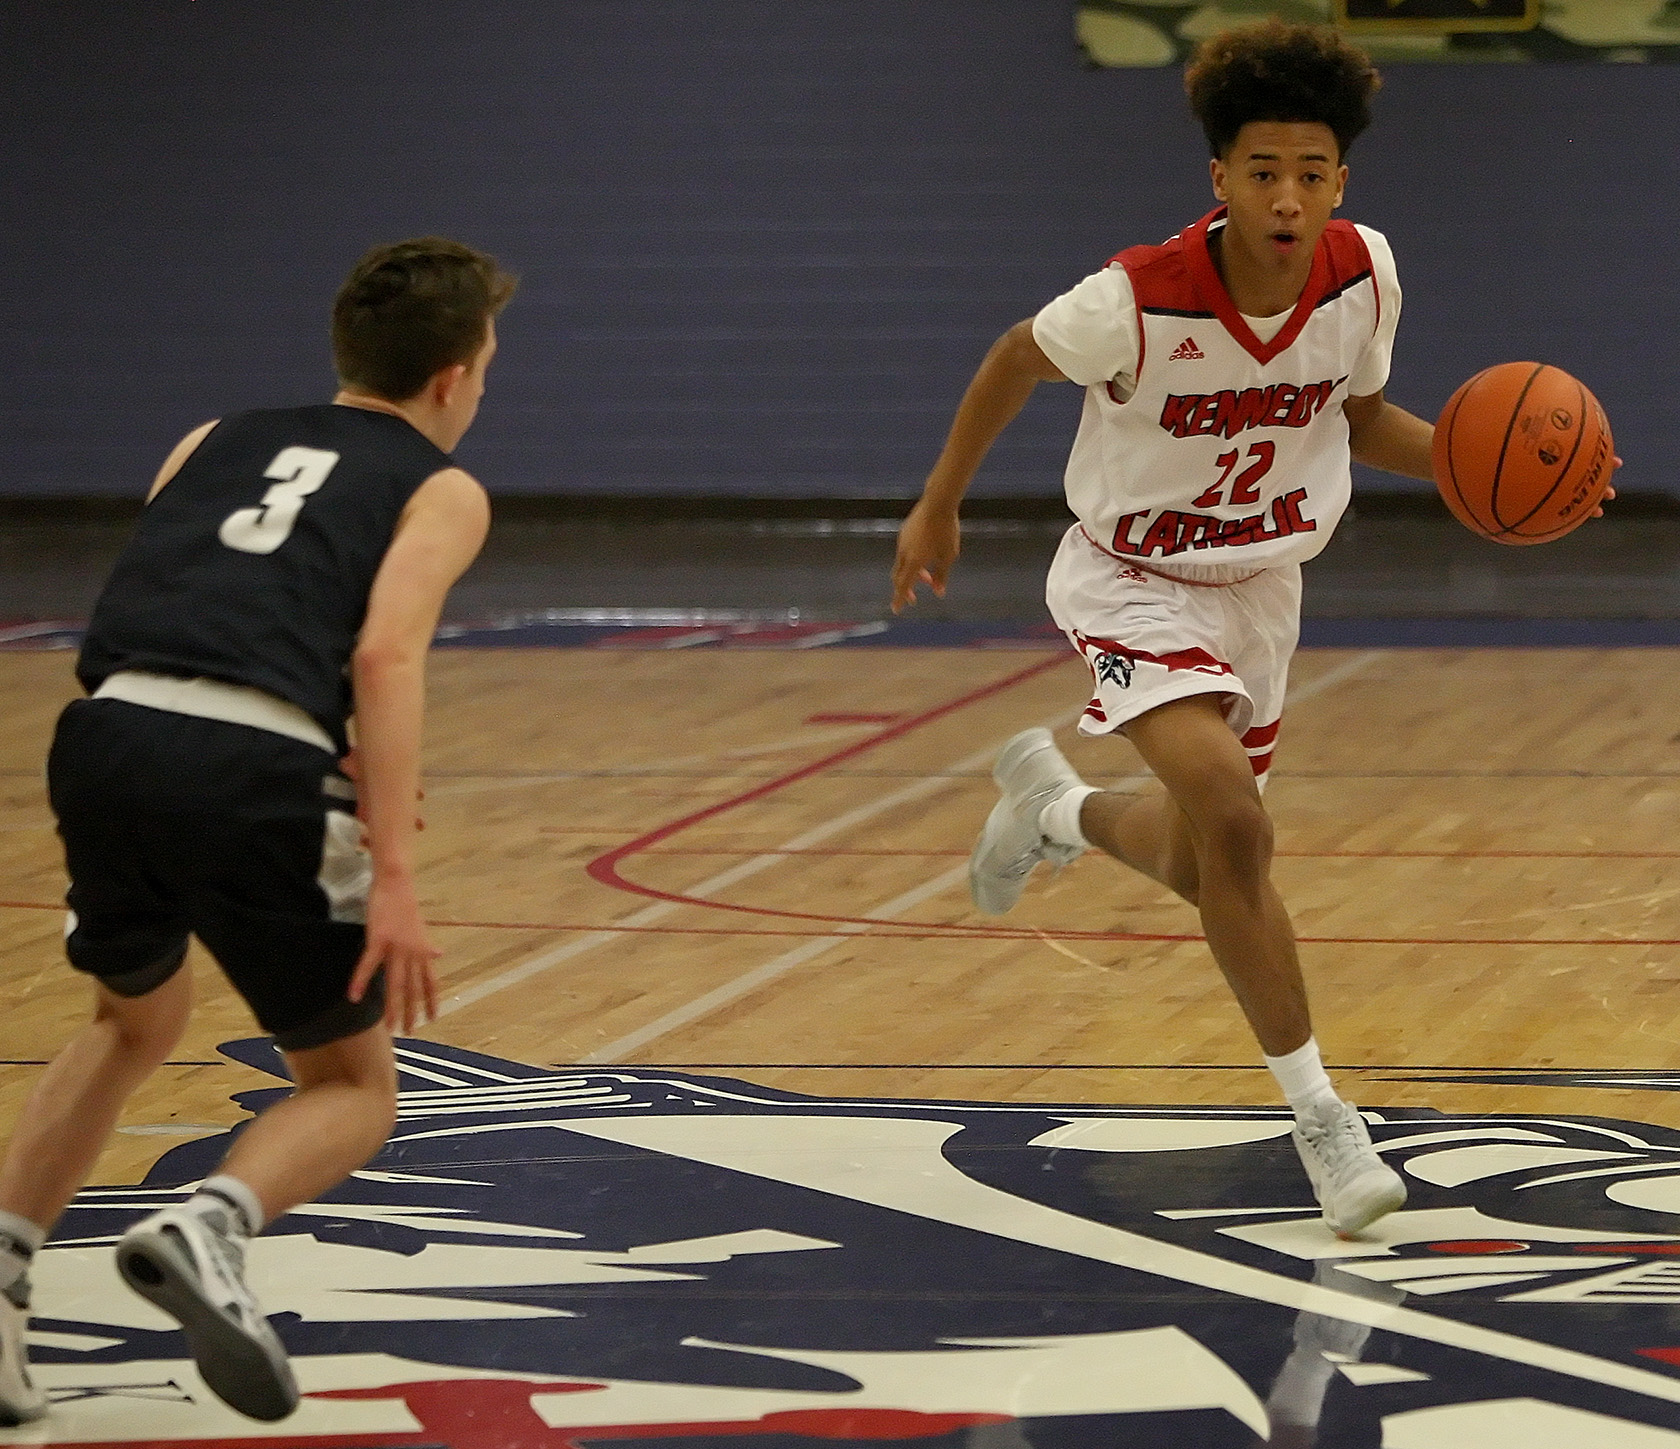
x=1210, y=840
x=78, y=1098
x=1148, y=833
x=339, y=1116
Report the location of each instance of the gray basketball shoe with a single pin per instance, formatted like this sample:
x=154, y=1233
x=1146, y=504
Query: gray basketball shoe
x=1031, y=773
x=192, y=1266
x=1353, y=1185
x=20, y=1400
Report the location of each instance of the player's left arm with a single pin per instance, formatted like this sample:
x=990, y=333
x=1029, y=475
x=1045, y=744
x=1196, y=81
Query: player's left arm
x=1384, y=436
x=439, y=534
x=1381, y=435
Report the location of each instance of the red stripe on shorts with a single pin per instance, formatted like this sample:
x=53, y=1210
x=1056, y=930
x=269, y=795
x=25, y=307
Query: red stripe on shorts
x=1197, y=659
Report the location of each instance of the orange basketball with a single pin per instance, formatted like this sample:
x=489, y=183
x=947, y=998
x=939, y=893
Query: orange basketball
x=1522, y=453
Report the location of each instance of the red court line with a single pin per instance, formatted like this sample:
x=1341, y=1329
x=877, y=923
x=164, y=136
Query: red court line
x=1278, y=854
x=957, y=931
x=605, y=868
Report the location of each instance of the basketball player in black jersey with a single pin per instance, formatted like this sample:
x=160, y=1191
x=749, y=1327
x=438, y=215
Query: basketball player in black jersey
x=288, y=572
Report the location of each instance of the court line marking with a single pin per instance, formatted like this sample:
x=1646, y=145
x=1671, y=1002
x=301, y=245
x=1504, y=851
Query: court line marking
x=780, y=965
x=707, y=1064
x=605, y=867
x=750, y=981
x=807, y=740
x=514, y=975
x=666, y=904
x=1276, y=854
x=912, y=931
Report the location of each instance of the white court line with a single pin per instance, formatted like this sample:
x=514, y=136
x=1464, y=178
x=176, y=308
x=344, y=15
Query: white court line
x=714, y=883
x=742, y=985
x=798, y=955
x=681, y=1016
x=774, y=747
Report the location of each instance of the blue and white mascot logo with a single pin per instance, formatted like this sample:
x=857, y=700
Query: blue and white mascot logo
x=545, y=1259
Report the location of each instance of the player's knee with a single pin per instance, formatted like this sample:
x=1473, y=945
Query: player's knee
x=1234, y=836
x=376, y=1088
x=148, y=1027
x=381, y=1109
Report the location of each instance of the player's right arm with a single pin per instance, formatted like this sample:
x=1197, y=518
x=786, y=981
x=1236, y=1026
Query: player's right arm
x=439, y=534
x=929, y=538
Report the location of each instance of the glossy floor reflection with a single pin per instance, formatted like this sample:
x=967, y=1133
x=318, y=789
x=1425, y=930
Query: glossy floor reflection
x=546, y=1257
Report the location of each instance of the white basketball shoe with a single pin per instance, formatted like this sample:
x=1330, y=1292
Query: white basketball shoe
x=20, y=1400
x=1031, y=773
x=1353, y=1185
x=191, y=1264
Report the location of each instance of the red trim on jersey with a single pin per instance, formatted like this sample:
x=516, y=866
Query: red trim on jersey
x=1143, y=341
x=1180, y=276
x=1261, y=735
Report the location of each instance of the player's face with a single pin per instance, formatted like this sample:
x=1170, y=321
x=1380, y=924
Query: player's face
x=1281, y=180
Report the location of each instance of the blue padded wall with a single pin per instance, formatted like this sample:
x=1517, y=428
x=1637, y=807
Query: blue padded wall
x=764, y=242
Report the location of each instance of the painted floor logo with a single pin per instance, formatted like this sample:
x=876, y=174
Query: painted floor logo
x=548, y=1258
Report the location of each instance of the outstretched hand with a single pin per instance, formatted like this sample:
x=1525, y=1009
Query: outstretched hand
x=928, y=543
x=397, y=941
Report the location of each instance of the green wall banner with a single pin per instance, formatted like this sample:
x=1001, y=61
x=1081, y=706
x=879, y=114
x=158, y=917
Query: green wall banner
x=1163, y=32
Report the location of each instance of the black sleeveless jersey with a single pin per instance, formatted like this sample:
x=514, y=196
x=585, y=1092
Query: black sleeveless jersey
x=254, y=563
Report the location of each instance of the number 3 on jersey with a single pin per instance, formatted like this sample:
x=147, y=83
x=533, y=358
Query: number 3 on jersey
x=264, y=528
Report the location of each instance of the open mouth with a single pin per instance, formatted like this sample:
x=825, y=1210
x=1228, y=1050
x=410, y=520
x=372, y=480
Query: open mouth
x=1284, y=241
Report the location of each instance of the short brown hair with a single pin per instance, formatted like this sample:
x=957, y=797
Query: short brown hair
x=411, y=309
x=1279, y=72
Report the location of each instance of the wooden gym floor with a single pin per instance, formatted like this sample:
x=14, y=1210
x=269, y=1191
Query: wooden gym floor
x=752, y=861
x=698, y=880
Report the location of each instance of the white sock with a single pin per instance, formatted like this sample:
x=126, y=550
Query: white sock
x=20, y=1240
x=1058, y=821
x=1302, y=1077
x=229, y=1193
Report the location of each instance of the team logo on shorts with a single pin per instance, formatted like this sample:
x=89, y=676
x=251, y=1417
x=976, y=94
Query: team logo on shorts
x=1114, y=669
x=561, y=1258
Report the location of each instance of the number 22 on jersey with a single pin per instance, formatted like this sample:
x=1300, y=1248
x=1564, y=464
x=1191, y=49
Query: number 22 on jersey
x=1246, y=489
x=264, y=528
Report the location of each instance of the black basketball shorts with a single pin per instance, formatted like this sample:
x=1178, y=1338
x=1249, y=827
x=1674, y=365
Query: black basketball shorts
x=173, y=824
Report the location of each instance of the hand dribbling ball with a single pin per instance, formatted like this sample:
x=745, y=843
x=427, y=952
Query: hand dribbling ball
x=1523, y=453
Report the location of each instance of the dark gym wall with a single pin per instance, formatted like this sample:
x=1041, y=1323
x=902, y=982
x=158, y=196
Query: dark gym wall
x=764, y=242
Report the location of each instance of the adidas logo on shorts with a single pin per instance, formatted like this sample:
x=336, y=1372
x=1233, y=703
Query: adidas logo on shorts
x=1187, y=351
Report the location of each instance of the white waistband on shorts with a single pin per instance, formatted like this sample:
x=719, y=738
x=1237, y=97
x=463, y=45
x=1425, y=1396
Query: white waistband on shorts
x=212, y=699
x=1197, y=575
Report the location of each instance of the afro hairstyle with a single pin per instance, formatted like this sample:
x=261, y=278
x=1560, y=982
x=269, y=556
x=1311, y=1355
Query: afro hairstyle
x=1279, y=72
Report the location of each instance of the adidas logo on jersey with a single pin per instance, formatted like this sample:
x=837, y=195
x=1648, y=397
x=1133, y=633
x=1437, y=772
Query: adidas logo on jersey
x=1187, y=351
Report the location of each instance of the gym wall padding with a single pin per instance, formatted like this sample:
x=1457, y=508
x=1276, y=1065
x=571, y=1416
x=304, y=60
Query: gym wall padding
x=764, y=242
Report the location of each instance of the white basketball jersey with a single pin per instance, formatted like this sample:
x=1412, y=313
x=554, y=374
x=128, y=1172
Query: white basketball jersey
x=1217, y=451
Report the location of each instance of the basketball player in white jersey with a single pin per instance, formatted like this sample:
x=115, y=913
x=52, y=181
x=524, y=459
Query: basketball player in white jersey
x=1229, y=374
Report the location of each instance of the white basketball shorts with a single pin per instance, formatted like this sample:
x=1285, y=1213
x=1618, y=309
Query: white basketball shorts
x=1150, y=639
